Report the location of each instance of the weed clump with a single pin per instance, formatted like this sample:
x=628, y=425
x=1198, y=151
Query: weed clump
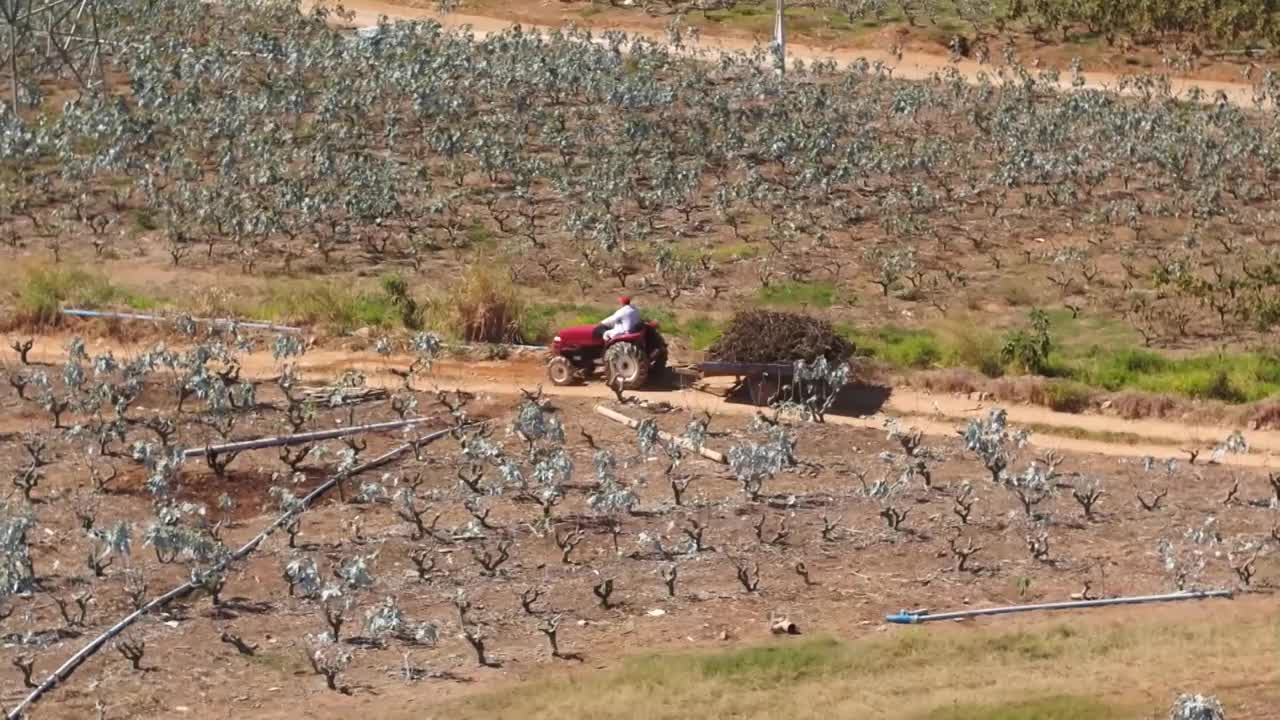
x=484, y=308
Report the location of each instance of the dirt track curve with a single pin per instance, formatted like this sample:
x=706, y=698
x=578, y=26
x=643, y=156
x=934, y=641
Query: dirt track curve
x=908, y=66
x=866, y=407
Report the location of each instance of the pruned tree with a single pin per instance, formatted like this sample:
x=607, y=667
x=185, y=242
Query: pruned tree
x=603, y=591
x=747, y=572
x=328, y=659
x=962, y=552
x=491, y=560
x=132, y=647
x=1087, y=492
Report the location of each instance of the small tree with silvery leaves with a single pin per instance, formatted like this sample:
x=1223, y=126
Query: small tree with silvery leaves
x=1184, y=559
x=387, y=619
x=993, y=443
x=814, y=388
x=1196, y=707
x=754, y=464
x=17, y=573
x=327, y=658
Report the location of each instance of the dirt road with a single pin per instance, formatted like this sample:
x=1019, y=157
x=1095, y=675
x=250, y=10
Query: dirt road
x=909, y=66
x=868, y=407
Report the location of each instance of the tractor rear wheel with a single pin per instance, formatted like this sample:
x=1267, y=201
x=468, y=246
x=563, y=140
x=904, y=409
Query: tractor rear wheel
x=560, y=371
x=625, y=363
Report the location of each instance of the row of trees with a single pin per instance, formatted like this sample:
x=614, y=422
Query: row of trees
x=266, y=137
x=472, y=521
x=1226, y=24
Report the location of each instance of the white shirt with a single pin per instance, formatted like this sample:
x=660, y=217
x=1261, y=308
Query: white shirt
x=625, y=319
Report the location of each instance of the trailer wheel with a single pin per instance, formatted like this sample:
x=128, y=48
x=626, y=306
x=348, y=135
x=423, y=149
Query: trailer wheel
x=625, y=363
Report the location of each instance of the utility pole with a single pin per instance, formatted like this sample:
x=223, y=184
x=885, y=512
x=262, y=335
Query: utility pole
x=779, y=39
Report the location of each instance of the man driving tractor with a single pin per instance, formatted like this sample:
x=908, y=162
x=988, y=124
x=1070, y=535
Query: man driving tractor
x=625, y=319
x=622, y=346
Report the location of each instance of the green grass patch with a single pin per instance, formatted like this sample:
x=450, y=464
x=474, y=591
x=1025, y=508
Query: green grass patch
x=956, y=345
x=540, y=321
x=910, y=674
x=1088, y=355
x=331, y=303
x=701, y=331
x=735, y=251
x=587, y=314
x=773, y=665
x=799, y=294
x=1067, y=396
x=44, y=290
x=1089, y=334
x=1228, y=377
x=1059, y=707
x=902, y=348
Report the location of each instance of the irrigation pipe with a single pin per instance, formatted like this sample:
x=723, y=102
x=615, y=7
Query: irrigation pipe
x=910, y=618
x=74, y=312
x=300, y=438
x=254, y=325
x=65, y=670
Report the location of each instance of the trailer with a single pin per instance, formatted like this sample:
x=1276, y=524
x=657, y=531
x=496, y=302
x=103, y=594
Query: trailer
x=763, y=381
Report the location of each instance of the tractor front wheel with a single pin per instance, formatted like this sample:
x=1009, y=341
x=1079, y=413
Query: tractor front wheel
x=625, y=365
x=560, y=371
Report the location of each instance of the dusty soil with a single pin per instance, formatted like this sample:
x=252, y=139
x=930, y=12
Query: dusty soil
x=862, y=406
x=861, y=570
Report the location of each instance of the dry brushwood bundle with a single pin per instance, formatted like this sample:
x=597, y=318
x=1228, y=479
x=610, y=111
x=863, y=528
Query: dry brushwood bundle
x=336, y=395
x=766, y=336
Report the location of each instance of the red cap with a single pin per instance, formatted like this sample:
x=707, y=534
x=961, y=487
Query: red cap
x=624, y=300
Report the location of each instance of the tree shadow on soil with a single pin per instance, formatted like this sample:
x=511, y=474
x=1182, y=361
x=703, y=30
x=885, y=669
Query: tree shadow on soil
x=854, y=400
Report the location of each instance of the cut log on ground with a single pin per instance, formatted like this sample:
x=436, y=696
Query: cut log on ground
x=303, y=438
x=632, y=423
x=64, y=671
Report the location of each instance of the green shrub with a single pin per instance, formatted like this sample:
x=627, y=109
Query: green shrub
x=1027, y=350
x=396, y=289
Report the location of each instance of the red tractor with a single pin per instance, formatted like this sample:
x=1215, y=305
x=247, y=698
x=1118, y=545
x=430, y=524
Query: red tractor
x=628, y=360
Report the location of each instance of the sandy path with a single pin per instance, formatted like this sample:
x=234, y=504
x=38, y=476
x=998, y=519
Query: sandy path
x=911, y=66
x=932, y=414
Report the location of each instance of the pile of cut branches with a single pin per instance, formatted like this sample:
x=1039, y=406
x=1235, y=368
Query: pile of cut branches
x=766, y=336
